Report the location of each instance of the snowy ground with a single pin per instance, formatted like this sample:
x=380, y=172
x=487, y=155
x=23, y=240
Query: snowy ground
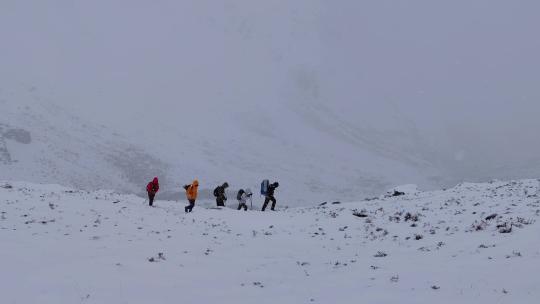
x=67, y=246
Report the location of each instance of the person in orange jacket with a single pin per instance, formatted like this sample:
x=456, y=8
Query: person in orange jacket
x=191, y=194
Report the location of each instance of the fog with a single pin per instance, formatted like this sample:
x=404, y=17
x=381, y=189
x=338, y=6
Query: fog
x=462, y=76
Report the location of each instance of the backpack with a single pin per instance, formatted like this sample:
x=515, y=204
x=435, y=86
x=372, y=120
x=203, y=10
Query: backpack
x=264, y=187
x=216, y=192
x=239, y=195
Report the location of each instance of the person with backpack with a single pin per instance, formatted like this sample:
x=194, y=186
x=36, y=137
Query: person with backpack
x=152, y=188
x=268, y=191
x=242, y=198
x=220, y=194
x=191, y=194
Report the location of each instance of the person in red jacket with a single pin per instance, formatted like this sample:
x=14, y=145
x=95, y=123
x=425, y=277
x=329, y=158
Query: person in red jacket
x=152, y=188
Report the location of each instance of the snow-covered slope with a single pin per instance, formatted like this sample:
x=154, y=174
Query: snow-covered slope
x=475, y=243
x=314, y=158
x=42, y=142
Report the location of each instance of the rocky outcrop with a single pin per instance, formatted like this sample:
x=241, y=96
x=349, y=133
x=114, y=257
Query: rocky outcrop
x=8, y=133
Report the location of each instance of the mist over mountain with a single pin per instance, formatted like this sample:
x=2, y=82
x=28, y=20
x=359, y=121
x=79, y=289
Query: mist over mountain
x=337, y=101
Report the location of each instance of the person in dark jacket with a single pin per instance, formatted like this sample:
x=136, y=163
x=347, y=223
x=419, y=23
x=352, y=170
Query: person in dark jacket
x=191, y=195
x=220, y=195
x=152, y=188
x=269, y=197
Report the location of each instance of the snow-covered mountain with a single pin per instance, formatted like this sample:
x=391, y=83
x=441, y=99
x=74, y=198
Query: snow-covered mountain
x=337, y=102
x=315, y=154
x=40, y=141
x=475, y=243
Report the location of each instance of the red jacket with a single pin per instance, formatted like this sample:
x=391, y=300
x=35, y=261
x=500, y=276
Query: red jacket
x=153, y=186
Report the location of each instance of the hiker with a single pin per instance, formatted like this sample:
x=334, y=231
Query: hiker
x=152, y=188
x=269, y=196
x=242, y=198
x=220, y=195
x=191, y=194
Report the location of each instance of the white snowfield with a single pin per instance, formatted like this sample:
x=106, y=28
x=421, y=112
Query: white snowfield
x=475, y=243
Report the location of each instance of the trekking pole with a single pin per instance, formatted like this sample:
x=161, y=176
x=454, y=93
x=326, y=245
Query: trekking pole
x=251, y=202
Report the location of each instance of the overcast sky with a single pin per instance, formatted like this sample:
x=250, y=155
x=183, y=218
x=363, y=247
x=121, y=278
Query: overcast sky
x=466, y=74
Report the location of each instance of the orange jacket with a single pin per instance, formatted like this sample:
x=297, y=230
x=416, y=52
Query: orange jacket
x=191, y=191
